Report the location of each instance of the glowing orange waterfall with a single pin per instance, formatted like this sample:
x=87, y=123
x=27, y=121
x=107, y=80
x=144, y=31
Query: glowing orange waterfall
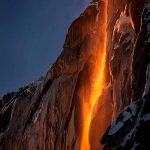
x=89, y=95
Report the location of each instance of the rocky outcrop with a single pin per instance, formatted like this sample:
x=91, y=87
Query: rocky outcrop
x=131, y=129
x=9, y=100
x=121, y=38
x=50, y=118
x=141, y=54
x=120, y=62
x=126, y=42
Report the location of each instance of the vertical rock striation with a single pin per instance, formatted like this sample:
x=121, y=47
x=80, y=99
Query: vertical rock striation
x=131, y=128
x=50, y=117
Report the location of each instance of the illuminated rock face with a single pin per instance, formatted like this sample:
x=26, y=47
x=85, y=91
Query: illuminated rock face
x=50, y=114
x=125, y=52
x=131, y=128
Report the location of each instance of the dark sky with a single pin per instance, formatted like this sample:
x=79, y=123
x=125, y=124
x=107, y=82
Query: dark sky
x=32, y=33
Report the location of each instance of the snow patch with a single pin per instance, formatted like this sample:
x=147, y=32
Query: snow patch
x=147, y=86
x=146, y=117
x=116, y=46
x=115, y=127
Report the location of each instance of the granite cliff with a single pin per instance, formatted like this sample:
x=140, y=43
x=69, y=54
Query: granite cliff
x=47, y=114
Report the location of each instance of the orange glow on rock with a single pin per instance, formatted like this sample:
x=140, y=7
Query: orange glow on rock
x=90, y=94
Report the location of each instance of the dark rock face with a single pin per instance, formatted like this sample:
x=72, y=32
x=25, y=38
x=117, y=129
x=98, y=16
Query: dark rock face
x=120, y=62
x=136, y=13
x=9, y=100
x=126, y=41
x=141, y=53
x=7, y=97
x=121, y=39
x=131, y=129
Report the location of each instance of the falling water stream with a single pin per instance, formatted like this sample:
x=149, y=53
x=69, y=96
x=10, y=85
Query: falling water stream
x=96, y=86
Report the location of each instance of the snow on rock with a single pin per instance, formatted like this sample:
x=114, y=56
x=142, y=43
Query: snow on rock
x=131, y=129
x=121, y=62
x=122, y=24
x=146, y=117
x=147, y=87
x=9, y=100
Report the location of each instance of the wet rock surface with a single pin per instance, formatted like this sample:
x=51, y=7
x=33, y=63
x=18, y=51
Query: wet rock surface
x=50, y=118
x=120, y=62
x=131, y=128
